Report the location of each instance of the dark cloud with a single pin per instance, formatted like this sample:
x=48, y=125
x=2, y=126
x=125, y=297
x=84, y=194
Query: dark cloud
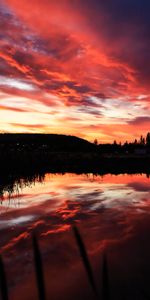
x=124, y=26
x=139, y=120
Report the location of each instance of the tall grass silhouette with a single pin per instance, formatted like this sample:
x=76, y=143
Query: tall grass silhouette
x=88, y=268
x=105, y=276
x=3, y=281
x=38, y=269
x=85, y=260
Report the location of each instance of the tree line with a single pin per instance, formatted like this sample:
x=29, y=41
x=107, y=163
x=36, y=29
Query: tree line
x=141, y=146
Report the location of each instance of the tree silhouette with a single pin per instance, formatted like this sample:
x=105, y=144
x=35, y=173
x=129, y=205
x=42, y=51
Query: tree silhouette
x=148, y=138
x=96, y=142
x=142, y=140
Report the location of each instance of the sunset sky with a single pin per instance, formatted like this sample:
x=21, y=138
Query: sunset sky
x=77, y=67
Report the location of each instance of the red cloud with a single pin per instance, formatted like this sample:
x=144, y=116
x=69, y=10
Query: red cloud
x=74, y=53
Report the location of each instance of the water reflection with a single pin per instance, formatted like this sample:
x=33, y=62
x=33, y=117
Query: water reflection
x=67, y=191
x=112, y=213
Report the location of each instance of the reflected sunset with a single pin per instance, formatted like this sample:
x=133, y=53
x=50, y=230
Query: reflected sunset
x=56, y=189
x=111, y=211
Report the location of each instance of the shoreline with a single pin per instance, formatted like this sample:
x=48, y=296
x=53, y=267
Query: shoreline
x=19, y=163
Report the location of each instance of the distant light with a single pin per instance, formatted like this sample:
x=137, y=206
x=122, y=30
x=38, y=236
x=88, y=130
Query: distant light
x=16, y=83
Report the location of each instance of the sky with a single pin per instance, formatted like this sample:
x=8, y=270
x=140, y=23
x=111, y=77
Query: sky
x=75, y=67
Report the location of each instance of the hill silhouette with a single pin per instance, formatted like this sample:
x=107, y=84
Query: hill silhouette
x=47, y=142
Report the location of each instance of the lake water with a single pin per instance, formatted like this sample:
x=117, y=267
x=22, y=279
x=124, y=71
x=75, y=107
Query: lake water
x=112, y=214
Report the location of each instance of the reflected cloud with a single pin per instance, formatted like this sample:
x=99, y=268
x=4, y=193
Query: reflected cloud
x=140, y=186
x=72, y=196
x=111, y=212
x=16, y=221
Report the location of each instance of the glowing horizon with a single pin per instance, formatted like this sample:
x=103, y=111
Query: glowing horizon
x=76, y=68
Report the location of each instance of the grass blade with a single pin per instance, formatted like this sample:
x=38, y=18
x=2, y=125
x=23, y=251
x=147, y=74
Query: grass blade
x=3, y=282
x=39, y=269
x=85, y=259
x=105, y=279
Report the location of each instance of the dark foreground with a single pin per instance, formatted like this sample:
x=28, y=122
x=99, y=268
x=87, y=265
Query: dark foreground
x=66, y=272
x=23, y=163
x=35, y=153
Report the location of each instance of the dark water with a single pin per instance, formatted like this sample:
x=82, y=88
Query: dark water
x=113, y=216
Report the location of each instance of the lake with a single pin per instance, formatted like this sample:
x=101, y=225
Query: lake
x=112, y=214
